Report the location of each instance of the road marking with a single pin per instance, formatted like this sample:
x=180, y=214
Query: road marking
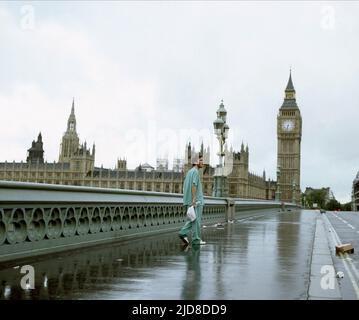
x=346, y=222
x=351, y=277
x=345, y=263
x=345, y=255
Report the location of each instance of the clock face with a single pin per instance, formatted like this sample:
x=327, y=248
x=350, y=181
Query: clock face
x=288, y=125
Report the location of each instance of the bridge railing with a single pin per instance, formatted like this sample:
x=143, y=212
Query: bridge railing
x=42, y=218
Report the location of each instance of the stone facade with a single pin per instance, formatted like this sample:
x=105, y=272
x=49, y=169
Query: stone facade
x=355, y=193
x=76, y=166
x=289, y=135
x=36, y=152
x=241, y=182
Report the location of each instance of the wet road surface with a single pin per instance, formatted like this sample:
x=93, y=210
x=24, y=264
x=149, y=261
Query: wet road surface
x=264, y=257
x=346, y=230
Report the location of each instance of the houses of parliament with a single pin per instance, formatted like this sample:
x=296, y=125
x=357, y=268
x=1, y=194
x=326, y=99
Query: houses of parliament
x=76, y=164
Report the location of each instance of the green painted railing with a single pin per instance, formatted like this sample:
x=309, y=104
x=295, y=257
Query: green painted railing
x=41, y=218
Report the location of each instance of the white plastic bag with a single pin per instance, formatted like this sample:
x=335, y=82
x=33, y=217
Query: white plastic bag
x=191, y=213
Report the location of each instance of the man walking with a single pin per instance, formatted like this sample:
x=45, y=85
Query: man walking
x=193, y=196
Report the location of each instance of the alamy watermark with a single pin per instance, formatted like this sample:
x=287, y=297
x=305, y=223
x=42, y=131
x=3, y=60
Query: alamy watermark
x=327, y=21
x=167, y=142
x=328, y=279
x=27, y=281
x=27, y=20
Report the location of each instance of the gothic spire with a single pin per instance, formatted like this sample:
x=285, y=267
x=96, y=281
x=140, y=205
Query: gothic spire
x=71, y=122
x=289, y=98
x=290, y=86
x=73, y=106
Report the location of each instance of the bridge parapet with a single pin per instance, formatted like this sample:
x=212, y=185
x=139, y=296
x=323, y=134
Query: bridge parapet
x=255, y=204
x=41, y=218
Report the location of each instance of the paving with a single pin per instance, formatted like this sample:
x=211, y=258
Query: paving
x=323, y=281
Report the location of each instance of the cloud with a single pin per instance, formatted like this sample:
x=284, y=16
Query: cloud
x=131, y=66
x=55, y=63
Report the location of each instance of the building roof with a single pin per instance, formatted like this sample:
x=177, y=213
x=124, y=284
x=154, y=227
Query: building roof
x=146, y=165
x=356, y=180
x=49, y=165
x=289, y=103
x=290, y=86
x=136, y=174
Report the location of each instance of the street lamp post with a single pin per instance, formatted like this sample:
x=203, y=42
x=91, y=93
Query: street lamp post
x=221, y=129
x=277, y=193
x=293, y=192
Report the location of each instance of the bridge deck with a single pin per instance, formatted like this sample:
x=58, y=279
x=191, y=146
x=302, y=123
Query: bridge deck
x=266, y=256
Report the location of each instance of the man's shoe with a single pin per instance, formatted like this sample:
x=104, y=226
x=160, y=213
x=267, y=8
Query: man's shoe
x=202, y=242
x=184, y=239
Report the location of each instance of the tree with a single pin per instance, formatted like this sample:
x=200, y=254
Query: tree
x=347, y=206
x=333, y=205
x=316, y=196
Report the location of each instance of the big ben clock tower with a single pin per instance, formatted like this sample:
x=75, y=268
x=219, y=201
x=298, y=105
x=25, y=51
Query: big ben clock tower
x=289, y=135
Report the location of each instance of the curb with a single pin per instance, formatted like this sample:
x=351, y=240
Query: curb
x=323, y=282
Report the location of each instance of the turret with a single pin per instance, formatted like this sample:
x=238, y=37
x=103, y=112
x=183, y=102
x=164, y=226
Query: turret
x=36, y=153
x=70, y=139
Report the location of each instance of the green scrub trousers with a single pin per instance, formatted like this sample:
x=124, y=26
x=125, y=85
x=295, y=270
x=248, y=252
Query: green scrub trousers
x=194, y=225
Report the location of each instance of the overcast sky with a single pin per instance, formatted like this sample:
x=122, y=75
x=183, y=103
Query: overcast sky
x=148, y=76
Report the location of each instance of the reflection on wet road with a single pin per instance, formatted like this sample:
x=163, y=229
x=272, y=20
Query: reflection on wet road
x=265, y=257
x=346, y=230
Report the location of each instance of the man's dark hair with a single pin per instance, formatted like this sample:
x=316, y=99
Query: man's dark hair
x=199, y=157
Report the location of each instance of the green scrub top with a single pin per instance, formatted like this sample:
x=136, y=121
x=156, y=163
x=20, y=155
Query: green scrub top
x=192, y=177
